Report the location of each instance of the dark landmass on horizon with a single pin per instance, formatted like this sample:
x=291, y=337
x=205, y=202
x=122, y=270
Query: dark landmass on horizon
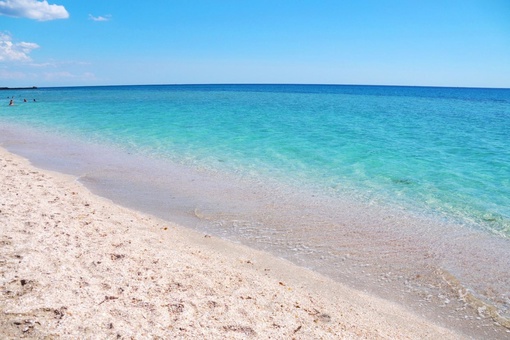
x=19, y=88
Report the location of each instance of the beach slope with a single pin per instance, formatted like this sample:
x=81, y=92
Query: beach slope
x=75, y=265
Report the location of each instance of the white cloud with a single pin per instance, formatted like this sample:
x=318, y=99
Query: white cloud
x=32, y=9
x=10, y=51
x=100, y=18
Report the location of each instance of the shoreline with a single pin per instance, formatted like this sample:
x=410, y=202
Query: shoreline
x=76, y=264
x=443, y=301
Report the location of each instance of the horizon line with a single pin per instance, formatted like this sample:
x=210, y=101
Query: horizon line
x=264, y=84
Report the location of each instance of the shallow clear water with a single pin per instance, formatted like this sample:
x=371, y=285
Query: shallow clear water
x=400, y=191
x=435, y=150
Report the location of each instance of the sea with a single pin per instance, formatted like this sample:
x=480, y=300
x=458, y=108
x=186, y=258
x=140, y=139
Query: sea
x=402, y=192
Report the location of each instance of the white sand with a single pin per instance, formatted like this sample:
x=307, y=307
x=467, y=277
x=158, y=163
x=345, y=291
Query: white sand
x=74, y=265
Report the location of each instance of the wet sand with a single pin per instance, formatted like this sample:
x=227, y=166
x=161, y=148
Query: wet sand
x=75, y=265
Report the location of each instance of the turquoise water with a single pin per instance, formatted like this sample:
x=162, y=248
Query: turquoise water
x=439, y=151
x=403, y=192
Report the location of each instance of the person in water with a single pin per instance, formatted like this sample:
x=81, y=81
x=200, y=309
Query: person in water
x=11, y=103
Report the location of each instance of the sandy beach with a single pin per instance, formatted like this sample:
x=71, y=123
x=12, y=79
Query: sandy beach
x=76, y=266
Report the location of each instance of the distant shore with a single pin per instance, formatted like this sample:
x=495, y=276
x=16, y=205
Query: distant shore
x=18, y=88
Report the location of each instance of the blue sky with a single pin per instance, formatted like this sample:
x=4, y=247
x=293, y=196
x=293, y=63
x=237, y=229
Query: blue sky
x=392, y=42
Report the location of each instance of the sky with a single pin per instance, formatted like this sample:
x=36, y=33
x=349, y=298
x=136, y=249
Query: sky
x=462, y=43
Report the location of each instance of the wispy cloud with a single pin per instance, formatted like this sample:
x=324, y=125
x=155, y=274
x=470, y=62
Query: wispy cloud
x=28, y=74
x=12, y=75
x=100, y=18
x=33, y=9
x=64, y=76
x=57, y=64
x=11, y=51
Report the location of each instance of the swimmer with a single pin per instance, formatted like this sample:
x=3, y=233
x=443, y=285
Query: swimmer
x=11, y=103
